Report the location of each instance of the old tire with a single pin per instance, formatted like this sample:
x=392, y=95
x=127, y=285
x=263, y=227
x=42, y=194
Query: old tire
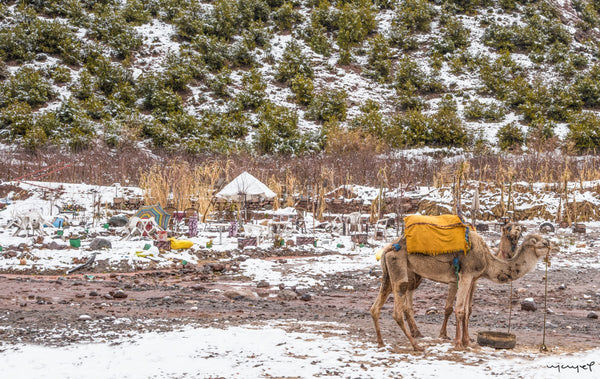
x=497, y=340
x=547, y=227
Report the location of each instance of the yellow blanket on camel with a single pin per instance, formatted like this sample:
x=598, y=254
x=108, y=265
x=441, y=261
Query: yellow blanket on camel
x=434, y=235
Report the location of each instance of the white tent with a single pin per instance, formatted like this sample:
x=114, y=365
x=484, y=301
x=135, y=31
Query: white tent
x=245, y=187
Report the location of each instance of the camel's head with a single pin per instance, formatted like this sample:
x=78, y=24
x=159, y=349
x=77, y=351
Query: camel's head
x=541, y=246
x=513, y=231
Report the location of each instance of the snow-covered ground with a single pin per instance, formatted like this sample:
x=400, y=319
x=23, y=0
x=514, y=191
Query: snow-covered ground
x=271, y=350
x=280, y=348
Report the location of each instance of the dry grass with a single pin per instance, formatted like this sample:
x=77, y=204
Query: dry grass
x=182, y=186
x=349, y=162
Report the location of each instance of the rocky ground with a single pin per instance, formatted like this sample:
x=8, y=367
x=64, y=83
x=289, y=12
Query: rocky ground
x=93, y=305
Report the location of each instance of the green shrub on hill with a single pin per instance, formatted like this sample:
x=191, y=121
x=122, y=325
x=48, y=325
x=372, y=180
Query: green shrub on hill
x=371, y=120
x=454, y=37
x=15, y=120
x=110, y=27
x=286, y=16
x=27, y=35
x=379, y=63
x=328, y=105
x=136, y=12
x=478, y=111
x=302, y=87
x=277, y=130
x=510, y=136
x=414, y=15
x=293, y=63
x=587, y=86
x=28, y=85
x=410, y=78
x=354, y=23
x=584, y=131
x=253, y=94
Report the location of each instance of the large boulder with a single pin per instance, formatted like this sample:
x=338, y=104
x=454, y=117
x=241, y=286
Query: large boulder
x=100, y=243
x=117, y=221
x=528, y=305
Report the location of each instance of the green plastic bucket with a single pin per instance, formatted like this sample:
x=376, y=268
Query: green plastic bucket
x=75, y=242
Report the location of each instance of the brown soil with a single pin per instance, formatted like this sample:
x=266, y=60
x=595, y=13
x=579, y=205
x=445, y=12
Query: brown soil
x=45, y=309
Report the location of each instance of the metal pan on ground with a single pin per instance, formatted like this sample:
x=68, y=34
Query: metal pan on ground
x=497, y=340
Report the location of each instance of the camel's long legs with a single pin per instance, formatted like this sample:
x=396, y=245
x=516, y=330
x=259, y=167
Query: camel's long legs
x=462, y=309
x=448, y=310
x=399, y=309
x=384, y=292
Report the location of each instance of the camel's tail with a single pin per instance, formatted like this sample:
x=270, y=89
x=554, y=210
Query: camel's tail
x=385, y=277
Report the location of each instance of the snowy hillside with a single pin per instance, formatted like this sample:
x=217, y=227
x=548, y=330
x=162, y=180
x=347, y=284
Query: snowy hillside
x=279, y=76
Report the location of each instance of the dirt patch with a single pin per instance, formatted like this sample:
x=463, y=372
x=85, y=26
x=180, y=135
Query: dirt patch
x=37, y=306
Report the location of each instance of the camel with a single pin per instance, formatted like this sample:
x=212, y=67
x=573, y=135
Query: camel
x=478, y=263
x=511, y=233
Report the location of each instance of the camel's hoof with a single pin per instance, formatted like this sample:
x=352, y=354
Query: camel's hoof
x=418, y=348
x=444, y=337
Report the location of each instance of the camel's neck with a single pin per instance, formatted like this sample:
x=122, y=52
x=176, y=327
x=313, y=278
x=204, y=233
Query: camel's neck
x=502, y=271
x=507, y=248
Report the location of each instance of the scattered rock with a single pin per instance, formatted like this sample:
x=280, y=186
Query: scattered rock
x=107, y=296
x=240, y=294
x=85, y=317
x=10, y=254
x=79, y=295
x=263, y=284
x=198, y=287
x=117, y=221
x=306, y=297
x=376, y=272
x=563, y=286
x=592, y=315
x=281, y=286
x=528, y=304
x=431, y=311
x=100, y=243
x=287, y=295
x=217, y=267
x=119, y=294
x=53, y=245
x=93, y=293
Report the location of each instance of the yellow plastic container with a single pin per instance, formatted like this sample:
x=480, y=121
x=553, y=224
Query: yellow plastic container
x=180, y=244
